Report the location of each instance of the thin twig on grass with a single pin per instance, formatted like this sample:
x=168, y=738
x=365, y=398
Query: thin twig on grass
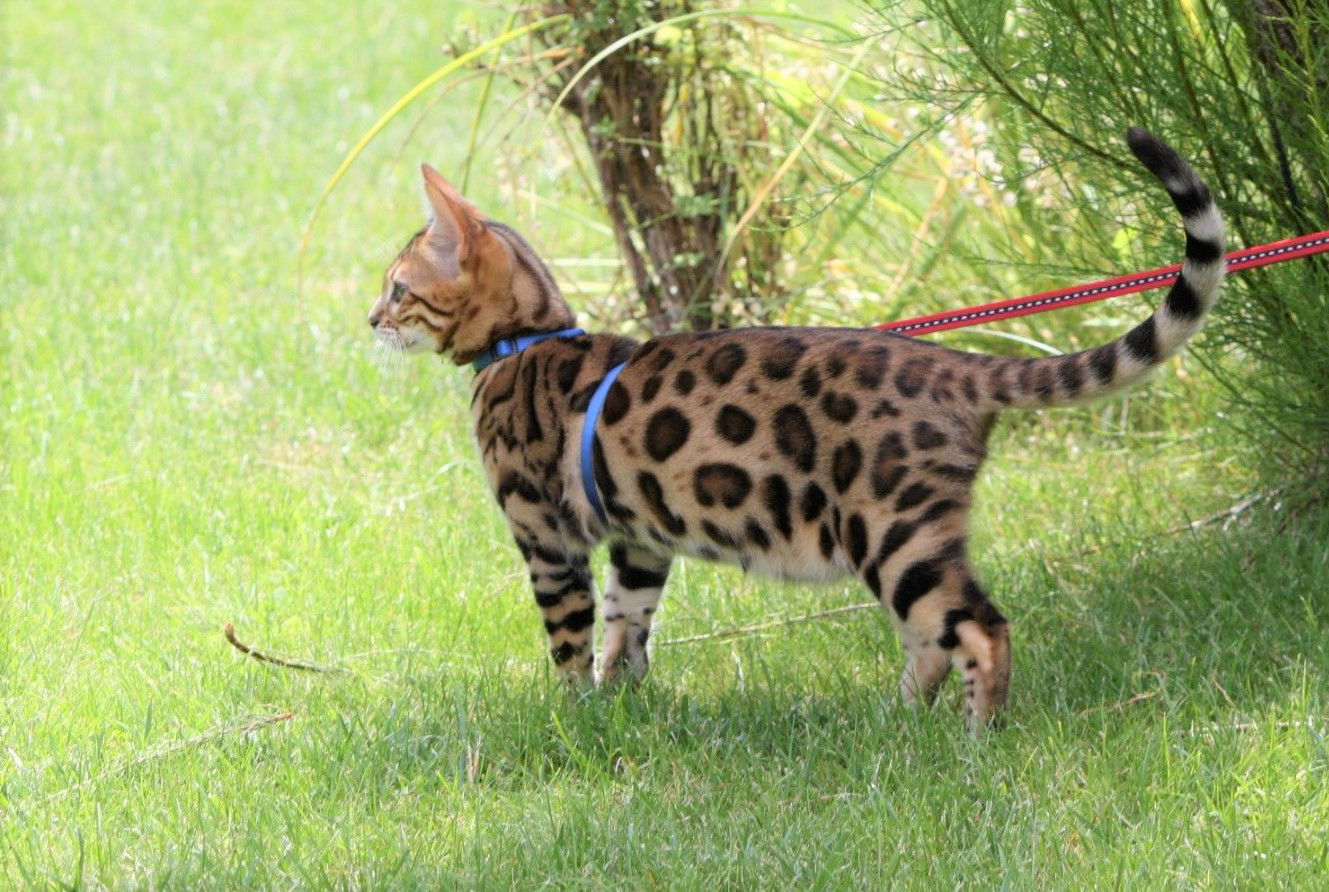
x=170, y=748
x=284, y=662
x=1225, y=514
x=746, y=630
x=1121, y=704
x=1228, y=513
x=1310, y=722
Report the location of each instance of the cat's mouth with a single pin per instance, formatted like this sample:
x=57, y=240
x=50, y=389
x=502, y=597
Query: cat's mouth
x=394, y=338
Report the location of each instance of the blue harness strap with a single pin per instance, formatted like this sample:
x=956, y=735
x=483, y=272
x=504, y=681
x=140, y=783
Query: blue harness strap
x=509, y=346
x=588, y=440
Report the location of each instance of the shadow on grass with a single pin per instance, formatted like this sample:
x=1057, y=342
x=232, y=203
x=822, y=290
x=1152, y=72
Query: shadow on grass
x=1203, y=625
x=1148, y=678
x=1221, y=627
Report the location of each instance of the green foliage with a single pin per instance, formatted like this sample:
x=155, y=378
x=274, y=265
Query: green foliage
x=1238, y=86
x=703, y=136
x=869, y=192
x=697, y=141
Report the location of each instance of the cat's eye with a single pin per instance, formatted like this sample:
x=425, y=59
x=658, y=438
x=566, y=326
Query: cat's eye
x=398, y=289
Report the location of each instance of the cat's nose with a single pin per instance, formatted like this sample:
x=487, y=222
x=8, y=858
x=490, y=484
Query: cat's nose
x=373, y=319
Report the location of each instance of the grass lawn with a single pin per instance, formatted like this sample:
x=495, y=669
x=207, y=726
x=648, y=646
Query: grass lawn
x=185, y=441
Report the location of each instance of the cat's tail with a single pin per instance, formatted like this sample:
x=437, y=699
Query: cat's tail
x=1093, y=373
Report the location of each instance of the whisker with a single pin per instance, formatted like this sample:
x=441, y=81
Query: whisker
x=390, y=352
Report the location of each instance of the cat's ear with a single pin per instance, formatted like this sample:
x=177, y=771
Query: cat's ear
x=457, y=225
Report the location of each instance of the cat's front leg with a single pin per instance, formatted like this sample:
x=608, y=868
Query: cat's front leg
x=565, y=594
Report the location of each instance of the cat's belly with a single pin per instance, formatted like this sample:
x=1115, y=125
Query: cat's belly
x=796, y=561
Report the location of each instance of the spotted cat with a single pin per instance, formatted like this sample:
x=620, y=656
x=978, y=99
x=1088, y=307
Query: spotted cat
x=803, y=453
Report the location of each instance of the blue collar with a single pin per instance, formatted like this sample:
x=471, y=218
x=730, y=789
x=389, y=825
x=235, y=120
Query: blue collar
x=509, y=346
x=588, y=440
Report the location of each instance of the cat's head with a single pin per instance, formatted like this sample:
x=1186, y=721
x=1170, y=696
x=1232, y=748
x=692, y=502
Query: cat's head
x=464, y=282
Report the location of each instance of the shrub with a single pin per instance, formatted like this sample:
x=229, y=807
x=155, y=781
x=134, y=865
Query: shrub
x=1241, y=86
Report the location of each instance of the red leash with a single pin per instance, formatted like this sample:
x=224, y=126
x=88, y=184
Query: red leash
x=1261, y=255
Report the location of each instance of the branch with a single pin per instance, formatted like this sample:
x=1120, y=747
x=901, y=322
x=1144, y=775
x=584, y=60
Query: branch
x=745, y=630
x=1194, y=525
x=161, y=751
x=1226, y=514
x=1014, y=93
x=229, y=632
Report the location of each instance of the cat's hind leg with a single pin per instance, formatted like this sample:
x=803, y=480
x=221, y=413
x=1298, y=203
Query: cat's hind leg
x=949, y=621
x=636, y=581
x=919, y=573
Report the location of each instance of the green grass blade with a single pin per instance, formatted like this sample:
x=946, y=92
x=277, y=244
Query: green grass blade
x=480, y=108
x=406, y=99
x=818, y=120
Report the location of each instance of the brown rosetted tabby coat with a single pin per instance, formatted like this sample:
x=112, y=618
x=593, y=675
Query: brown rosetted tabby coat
x=803, y=453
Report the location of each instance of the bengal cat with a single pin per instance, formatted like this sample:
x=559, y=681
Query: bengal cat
x=803, y=453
